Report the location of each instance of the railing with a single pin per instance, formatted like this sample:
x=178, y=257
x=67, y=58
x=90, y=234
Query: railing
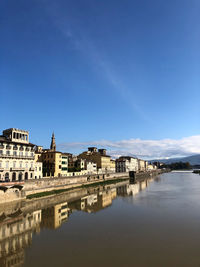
x=17, y=169
x=16, y=156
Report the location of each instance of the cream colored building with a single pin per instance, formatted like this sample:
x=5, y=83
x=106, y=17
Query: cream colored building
x=55, y=163
x=104, y=162
x=17, y=156
x=38, y=170
x=126, y=164
x=143, y=165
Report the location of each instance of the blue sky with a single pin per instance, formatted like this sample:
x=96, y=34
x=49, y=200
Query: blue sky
x=101, y=72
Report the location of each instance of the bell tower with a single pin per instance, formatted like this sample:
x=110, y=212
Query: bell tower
x=53, y=142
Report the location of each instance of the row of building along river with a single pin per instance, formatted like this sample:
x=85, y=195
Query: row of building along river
x=21, y=160
x=155, y=222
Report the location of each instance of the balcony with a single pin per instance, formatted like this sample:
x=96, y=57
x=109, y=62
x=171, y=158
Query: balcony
x=17, y=169
x=16, y=156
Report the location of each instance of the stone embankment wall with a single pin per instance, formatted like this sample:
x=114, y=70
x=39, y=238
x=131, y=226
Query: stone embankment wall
x=29, y=206
x=49, y=184
x=138, y=176
x=11, y=194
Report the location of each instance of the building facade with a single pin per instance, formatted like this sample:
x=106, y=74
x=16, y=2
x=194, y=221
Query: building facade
x=126, y=164
x=17, y=156
x=104, y=162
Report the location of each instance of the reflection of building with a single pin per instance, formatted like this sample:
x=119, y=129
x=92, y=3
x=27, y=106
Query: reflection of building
x=94, y=202
x=16, y=155
x=143, y=185
x=15, y=235
x=132, y=189
x=54, y=216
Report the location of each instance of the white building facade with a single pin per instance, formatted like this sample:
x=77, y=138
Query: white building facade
x=17, y=156
x=126, y=164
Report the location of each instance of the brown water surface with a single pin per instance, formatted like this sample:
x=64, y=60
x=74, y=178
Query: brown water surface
x=151, y=223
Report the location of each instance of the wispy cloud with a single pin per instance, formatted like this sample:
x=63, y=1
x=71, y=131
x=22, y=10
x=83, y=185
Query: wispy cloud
x=79, y=37
x=147, y=149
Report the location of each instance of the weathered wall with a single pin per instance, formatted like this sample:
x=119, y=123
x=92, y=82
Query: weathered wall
x=11, y=195
x=41, y=185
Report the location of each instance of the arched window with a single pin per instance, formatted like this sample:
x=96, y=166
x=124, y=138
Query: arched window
x=26, y=175
x=14, y=176
x=20, y=176
x=7, y=177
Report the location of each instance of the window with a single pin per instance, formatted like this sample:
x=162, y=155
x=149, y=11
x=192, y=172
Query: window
x=0, y=164
x=26, y=165
x=14, y=153
x=14, y=164
x=7, y=164
x=1, y=152
x=7, y=152
x=20, y=164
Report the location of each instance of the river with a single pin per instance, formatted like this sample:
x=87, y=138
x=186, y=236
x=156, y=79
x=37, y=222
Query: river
x=152, y=223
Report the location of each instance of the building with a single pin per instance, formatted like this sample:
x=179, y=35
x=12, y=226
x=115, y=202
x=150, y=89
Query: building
x=17, y=156
x=55, y=163
x=82, y=166
x=126, y=164
x=104, y=162
x=142, y=164
x=91, y=167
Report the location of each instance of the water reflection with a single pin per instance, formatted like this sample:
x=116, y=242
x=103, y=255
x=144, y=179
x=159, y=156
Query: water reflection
x=132, y=189
x=53, y=217
x=94, y=202
x=19, y=222
x=16, y=231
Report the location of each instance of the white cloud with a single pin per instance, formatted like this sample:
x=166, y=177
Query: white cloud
x=147, y=149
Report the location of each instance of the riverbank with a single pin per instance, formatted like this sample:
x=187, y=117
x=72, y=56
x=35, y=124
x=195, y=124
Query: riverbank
x=38, y=188
x=58, y=191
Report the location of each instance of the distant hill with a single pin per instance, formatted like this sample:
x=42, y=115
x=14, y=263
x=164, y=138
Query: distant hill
x=193, y=160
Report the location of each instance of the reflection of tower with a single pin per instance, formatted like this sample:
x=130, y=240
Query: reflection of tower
x=53, y=142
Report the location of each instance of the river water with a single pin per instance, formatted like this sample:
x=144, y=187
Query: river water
x=152, y=223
